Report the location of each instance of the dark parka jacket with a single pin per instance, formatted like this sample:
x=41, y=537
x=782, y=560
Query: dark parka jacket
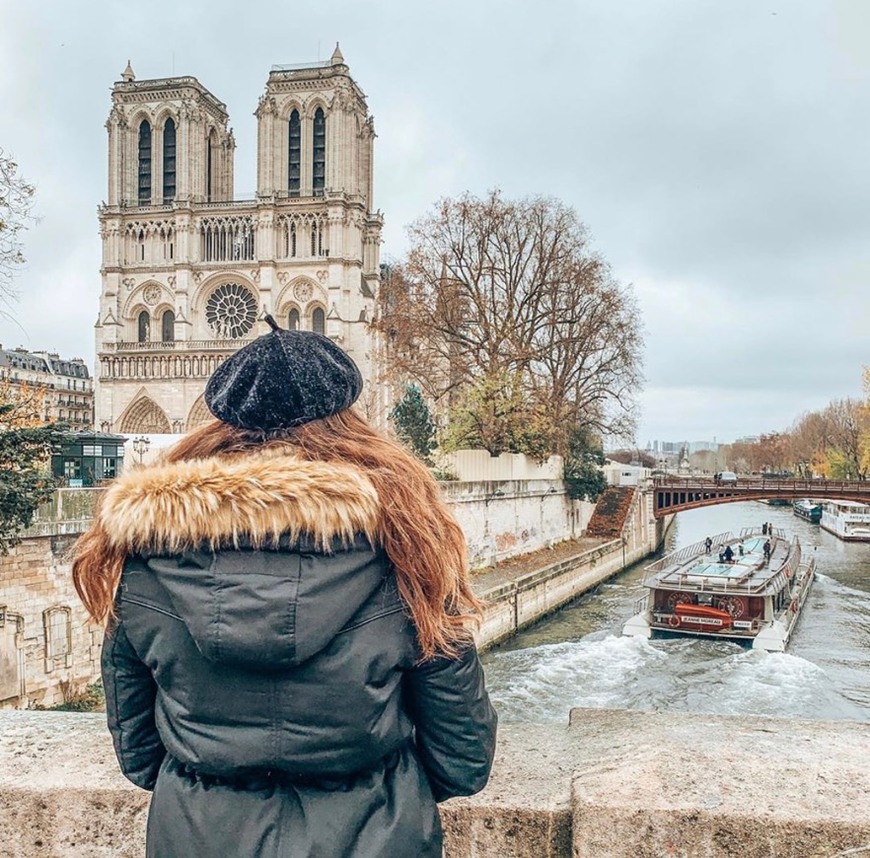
x=263, y=677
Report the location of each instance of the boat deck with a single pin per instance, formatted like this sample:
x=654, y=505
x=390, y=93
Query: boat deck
x=750, y=573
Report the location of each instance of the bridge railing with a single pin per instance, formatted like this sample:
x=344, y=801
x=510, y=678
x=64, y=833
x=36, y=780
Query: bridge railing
x=812, y=487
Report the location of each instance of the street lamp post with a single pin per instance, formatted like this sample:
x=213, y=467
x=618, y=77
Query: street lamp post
x=140, y=446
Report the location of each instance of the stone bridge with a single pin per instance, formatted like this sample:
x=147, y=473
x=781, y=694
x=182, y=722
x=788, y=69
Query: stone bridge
x=675, y=494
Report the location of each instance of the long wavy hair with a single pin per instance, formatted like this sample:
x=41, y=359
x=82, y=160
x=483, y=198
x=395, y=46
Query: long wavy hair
x=422, y=540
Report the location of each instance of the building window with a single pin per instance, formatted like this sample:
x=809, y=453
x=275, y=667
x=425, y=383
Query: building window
x=144, y=163
x=231, y=311
x=167, y=333
x=317, y=248
x=58, y=635
x=319, y=152
x=169, y=161
x=209, y=164
x=144, y=327
x=318, y=321
x=109, y=469
x=293, y=320
x=294, y=154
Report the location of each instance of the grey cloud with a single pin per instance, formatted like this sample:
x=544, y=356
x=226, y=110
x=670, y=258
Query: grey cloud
x=716, y=146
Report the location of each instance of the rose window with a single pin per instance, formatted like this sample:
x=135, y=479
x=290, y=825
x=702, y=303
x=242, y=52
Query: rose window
x=231, y=311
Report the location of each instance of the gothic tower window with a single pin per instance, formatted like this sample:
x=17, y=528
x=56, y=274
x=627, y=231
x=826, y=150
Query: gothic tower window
x=231, y=311
x=294, y=154
x=169, y=161
x=319, y=151
x=209, y=166
x=318, y=321
x=168, y=327
x=293, y=320
x=144, y=327
x=144, y=163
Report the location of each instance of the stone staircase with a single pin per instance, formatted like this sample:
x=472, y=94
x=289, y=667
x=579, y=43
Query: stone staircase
x=610, y=514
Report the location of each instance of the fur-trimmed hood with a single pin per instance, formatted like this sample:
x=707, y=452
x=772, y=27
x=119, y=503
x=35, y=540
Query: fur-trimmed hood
x=263, y=556
x=254, y=498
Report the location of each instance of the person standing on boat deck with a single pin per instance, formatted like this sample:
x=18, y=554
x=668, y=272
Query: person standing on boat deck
x=728, y=554
x=288, y=664
x=740, y=548
x=708, y=544
x=764, y=529
x=766, y=550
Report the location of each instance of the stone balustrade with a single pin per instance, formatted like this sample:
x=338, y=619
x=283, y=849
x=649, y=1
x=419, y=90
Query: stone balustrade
x=611, y=784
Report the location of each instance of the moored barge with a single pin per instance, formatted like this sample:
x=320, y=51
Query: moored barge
x=735, y=589
x=808, y=510
x=848, y=520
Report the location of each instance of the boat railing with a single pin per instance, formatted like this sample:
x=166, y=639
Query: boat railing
x=738, y=584
x=641, y=604
x=675, y=558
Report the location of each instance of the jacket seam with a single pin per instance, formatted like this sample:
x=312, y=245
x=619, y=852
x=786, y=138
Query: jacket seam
x=379, y=616
x=151, y=607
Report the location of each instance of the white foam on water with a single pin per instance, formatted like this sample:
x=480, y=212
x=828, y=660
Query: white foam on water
x=543, y=683
x=772, y=683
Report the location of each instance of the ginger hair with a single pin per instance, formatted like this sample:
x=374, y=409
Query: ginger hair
x=423, y=542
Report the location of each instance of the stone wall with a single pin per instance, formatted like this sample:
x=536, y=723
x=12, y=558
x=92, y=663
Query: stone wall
x=502, y=519
x=611, y=784
x=48, y=648
x=513, y=605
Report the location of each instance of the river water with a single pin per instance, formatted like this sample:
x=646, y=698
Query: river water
x=578, y=657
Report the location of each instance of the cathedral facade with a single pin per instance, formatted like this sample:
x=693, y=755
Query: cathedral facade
x=189, y=271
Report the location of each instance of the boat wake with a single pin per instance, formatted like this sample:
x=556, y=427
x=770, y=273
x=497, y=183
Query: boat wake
x=543, y=683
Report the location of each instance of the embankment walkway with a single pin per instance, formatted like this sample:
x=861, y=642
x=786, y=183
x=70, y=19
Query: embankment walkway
x=520, y=591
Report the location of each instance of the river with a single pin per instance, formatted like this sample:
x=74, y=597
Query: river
x=578, y=657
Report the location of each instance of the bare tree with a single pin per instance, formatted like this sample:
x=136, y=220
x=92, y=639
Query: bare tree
x=495, y=288
x=16, y=202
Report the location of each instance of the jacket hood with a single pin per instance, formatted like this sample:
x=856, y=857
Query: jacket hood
x=265, y=556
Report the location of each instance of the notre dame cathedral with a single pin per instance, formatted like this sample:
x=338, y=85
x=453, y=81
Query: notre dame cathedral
x=189, y=271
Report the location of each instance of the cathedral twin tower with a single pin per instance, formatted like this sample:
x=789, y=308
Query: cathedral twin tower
x=189, y=271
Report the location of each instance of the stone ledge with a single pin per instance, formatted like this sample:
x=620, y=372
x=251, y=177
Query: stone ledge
x=613, y=784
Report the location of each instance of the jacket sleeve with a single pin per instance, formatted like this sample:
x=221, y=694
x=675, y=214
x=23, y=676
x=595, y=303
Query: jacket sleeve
x=455, y=723
x=130, y=695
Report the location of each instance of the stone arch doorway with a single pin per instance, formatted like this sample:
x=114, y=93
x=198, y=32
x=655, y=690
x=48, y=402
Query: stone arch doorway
x=144, y=417
x=199, y=415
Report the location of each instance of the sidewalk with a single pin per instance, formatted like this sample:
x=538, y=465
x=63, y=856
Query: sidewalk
x=484, y=580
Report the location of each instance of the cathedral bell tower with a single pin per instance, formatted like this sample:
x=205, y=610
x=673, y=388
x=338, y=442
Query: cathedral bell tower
x=188, y=270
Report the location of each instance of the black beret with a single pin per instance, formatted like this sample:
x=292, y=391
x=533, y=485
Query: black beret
x=283, y=379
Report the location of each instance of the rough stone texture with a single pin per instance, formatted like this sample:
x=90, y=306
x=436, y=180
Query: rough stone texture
x=650, y=785
x=40, y=602
x=508, y=517
x=614, y=784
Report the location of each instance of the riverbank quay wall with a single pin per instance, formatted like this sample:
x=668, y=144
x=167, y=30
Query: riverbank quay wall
x=520, y=602
x=610, y=784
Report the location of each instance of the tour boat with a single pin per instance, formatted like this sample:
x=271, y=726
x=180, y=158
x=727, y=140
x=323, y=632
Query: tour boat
x=849, y=520
x=809, y=510
x=754, y=598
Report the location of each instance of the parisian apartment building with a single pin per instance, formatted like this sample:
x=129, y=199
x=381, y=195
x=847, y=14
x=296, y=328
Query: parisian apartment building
x=190, y=266
x=64, y=387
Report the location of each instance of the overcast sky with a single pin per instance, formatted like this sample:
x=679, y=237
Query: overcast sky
x=718, y=150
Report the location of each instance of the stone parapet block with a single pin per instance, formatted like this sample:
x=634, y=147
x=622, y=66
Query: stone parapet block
x=612, y=784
